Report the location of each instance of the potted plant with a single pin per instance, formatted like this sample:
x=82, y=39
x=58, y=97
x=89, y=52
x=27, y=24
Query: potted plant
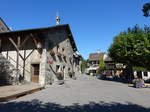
x=60, y=77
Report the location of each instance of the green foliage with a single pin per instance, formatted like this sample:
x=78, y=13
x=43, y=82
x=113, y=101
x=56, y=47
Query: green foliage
x=5, y=71
x=139, y=69
x=101, y=63
x=146, y=8
x=83, y=65
x=132, y=47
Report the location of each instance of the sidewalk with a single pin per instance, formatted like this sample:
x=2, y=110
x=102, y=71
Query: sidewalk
x=15, y=91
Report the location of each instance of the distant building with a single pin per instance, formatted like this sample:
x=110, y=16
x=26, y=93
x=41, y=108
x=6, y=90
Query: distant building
x=93, y=62
x=145, y=75
x=3, y=26
x=41, y=55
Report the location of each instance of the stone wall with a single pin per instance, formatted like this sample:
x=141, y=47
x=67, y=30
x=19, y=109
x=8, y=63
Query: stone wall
x=58, y=42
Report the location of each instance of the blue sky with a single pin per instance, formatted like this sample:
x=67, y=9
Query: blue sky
x=94, y=23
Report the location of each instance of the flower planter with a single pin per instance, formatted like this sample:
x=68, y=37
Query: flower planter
x=60, y=75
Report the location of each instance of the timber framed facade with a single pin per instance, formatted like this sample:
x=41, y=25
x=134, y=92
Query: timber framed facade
x=42, y=55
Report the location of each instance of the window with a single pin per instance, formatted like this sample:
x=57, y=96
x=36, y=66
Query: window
x=57, y=68
x=68, y=69
x=63, y=68
x=63, y=49
x=139, y=74
x=145, y=74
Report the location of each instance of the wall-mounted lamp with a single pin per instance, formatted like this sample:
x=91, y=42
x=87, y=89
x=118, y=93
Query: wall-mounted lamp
x=39, y=45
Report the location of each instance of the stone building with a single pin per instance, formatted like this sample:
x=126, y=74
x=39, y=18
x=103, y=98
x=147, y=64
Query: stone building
x=42, y=55
x=3, y=26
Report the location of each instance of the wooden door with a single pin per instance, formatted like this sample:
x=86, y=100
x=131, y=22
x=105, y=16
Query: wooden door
x=35, y=73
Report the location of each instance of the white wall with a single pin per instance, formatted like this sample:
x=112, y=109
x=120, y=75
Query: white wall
x=143, y=77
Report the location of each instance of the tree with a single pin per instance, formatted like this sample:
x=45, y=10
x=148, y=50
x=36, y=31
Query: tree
x=8, y=74
x=83, y=65
x=146, y=8
x=132, y=47
x=101, y=63
x=102, y=66
x=5, y=71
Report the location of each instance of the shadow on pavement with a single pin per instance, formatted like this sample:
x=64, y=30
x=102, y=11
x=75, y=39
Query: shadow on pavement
x=114, y=79
x=37, y=106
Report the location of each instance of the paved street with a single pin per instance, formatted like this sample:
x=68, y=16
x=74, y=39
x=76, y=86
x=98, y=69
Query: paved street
x=86, y=94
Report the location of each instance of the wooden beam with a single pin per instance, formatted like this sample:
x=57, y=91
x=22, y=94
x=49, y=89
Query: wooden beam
x=35, y=41
x=29, y=54
x=21, y=56
x=24, y=41
x=12, y=41
x=16, y=46
x=7, y=54
x=24, y=62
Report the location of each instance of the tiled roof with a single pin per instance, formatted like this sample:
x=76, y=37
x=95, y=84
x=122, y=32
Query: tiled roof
x=95, y=56
x=28, y=31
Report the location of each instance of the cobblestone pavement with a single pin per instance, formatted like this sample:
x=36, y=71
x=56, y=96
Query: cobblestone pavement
x=86, y=94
